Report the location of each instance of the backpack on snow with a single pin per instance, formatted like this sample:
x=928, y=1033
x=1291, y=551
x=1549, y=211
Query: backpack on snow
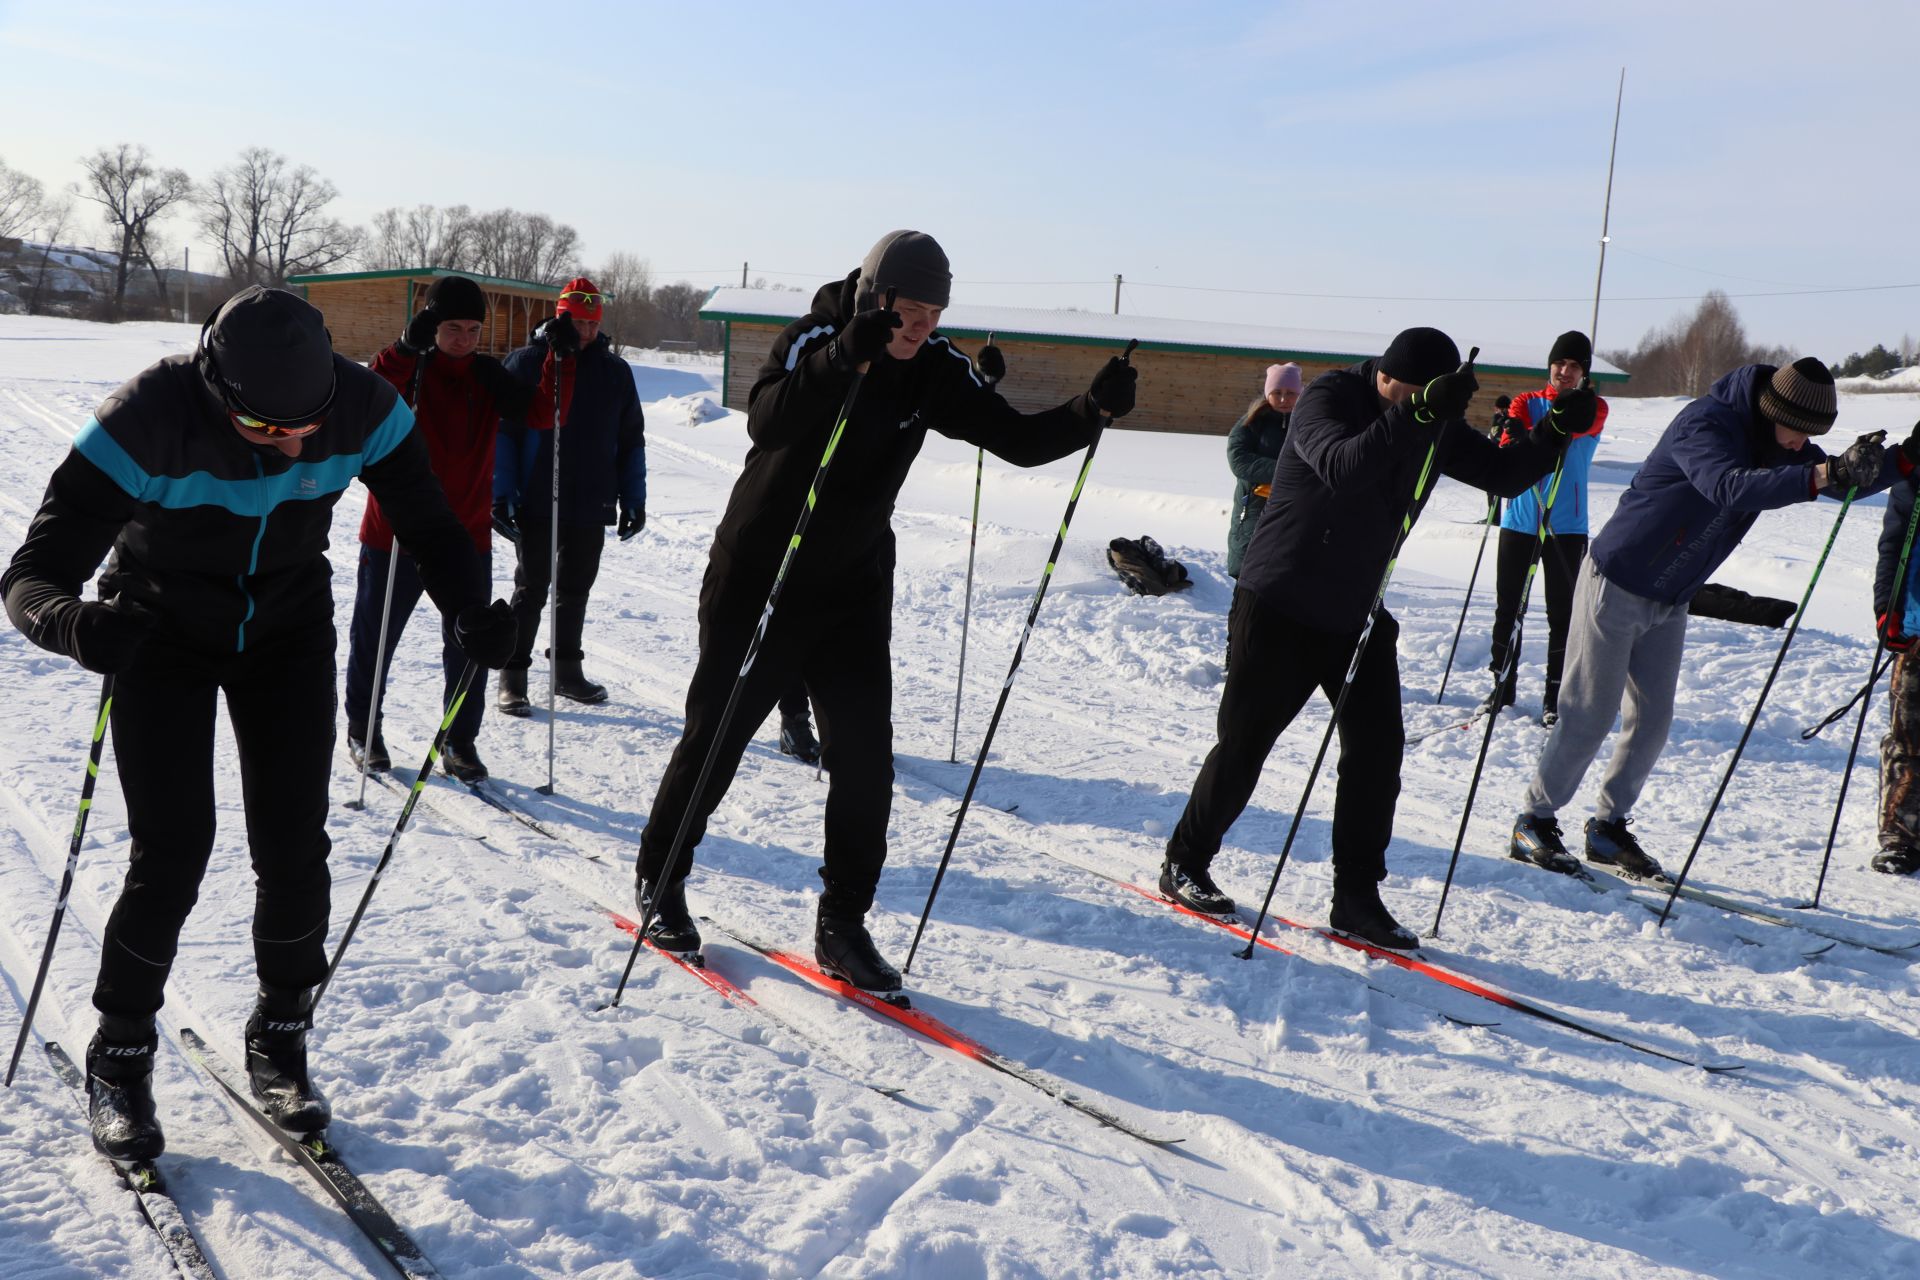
x=1145, y=568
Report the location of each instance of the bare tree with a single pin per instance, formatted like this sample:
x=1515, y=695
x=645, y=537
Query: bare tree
x=20, y=199
x=269, y=219
x=423, y=236
x=628, y=282
x=58, y=214
x=1687, y=355
x=523, y=246
x=134, y=194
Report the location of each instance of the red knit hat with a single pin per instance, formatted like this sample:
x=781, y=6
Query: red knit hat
x=586, y=308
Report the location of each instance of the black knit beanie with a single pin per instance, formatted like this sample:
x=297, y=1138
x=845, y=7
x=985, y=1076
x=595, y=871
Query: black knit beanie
x=457, y=298
x=1419, y=356
x=271, y=350
x=911, y=262
x=1801, y=397
x=1575, y=346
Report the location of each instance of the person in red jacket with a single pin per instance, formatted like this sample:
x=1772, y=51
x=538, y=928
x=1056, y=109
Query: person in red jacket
x=458, y=397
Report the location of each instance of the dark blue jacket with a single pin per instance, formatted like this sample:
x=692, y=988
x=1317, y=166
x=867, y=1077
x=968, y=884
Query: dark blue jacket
x=603, y=442
x=1344, y=482
x=1715, y=469
x=1252, y=448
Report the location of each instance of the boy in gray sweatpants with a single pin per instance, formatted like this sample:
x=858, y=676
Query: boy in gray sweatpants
x=1741, y=449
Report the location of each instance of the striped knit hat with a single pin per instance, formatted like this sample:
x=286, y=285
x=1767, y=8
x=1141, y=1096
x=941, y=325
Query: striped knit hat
x=1801, y=397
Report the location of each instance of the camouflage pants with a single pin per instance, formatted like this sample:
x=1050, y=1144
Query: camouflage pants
x=1900, y=759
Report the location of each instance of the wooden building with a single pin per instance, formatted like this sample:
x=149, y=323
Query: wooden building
x=1195, y=375
x=366, y=310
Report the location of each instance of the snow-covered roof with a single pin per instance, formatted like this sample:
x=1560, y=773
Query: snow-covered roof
x=1154, y=332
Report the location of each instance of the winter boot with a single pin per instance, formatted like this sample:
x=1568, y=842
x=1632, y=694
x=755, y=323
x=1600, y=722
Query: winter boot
x=1611, y=845
x=462, y=761
x=369, y=755
x=1537, y=840
x=571, y=682
x=1501, y=697
x=512, y=695
x=797, y=740
x=569, y=624
x=1194, y=889
x=277, y=1061
x=1897, y=862
x=672, y=928
x=1357, y=910
x=845, y=949
x=126, y=1127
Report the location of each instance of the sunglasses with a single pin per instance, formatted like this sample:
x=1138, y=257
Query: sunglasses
x=590, y=299
x=272, y=430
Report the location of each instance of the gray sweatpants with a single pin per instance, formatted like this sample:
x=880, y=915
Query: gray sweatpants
x=1621, y=644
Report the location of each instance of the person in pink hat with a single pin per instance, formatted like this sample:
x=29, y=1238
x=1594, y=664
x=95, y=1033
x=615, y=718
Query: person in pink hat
x=1252, y=447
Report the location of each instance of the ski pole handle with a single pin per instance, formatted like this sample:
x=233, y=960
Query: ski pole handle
x=1126, y=357
x=888, y=306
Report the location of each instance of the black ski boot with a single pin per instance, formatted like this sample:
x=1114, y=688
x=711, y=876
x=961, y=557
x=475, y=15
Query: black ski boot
x=512, y=695
x=797, y=740
x=277, y=1061
x=1357, y=910
x=1194, y=889
x=462, y=761
x=1897, y=862
x=672, y=928
x=569, y=624
x=1501, y=697
x=571, y=682
x=126, y=1127
x=1537, y=840
x=369, y=755
x=845, y=949
x=1610, y=844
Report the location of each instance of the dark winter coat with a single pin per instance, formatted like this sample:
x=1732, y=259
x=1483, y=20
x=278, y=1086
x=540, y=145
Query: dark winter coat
x=1252, y=447
x=603, y=445
x=793, y=408
x=224, y=541
x=1893, y=538
x=1344, y=481
x=1715, y=469
x=458, y=414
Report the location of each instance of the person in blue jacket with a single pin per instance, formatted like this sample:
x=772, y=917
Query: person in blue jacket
x=603, y=481
x=1568, y=362
x=1743, y=448
x=1896, y=607
x=1252, y=448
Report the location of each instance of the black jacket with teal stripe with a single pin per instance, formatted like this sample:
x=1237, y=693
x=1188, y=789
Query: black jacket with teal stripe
x=222, y=540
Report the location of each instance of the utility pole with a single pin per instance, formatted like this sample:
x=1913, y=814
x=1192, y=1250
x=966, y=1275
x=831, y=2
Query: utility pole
x=186, y=284
x=743, y=275
x=1116, y=295
x=1606, y=214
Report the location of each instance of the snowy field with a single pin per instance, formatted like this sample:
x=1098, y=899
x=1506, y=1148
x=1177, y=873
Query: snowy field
x=1335, y=1121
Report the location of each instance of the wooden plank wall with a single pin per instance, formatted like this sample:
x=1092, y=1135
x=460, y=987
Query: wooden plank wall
x=1179, y=390
x=365, y=315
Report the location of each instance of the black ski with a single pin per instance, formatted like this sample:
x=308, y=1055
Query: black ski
x=490, y=794
x=320, y=1158
x=1616, y=885
x=157, y=1205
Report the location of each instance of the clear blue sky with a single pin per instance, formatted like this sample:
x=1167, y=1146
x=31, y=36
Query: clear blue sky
x=1413, y=150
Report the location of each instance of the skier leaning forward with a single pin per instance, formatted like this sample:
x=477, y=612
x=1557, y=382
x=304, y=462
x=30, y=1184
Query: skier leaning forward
x=212, y=477
x=832, y=626
x=1344, y=481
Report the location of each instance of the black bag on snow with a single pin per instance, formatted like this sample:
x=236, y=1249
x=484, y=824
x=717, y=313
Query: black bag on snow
x=1145, y=568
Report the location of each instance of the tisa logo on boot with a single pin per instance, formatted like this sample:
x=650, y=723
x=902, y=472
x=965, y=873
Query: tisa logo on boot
x=268, y=1024
x=125, y=1051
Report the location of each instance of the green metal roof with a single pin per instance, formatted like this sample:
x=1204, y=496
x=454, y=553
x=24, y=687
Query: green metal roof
x=411, y=272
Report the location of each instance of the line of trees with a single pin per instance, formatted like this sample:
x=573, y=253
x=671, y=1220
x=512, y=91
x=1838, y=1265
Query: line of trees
x=1685, y=356
x=1880, y=361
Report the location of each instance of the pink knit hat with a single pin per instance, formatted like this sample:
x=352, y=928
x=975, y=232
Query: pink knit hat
x=1282, y=377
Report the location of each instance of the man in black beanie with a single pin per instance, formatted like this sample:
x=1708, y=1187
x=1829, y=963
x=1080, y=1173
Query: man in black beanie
x=1364, y=448
x=831, y=629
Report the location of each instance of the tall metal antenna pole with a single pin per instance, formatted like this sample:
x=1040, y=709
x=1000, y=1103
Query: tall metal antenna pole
x=1606, y=215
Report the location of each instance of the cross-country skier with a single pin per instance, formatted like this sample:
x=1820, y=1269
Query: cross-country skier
x=831, y=627
x=1344, y=482
x=1896, y=604
x=212, y=478
x=1743, y=448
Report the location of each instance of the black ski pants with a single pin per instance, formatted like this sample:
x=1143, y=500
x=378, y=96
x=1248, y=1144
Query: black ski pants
x=1275, y=665
x=580, y=547
x=363, y=638
x=280, y=701
x=840, y=648
x=1560, y=568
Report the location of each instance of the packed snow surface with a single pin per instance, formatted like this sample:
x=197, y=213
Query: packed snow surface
x=1336, y=1119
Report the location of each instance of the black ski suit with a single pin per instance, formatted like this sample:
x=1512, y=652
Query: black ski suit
x=833, y=623
x=223, y=542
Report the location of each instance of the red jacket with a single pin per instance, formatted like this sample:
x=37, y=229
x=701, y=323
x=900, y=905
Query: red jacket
x=459, y=408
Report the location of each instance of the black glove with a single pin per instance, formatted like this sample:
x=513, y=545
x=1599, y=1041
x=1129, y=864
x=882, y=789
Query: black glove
x=1113, y=388
x=1910, y=447
x=503, y=522
x=1446, y=397
x=107, y=636
x=562, y=338
x=632, y=520
x=992, y=366
x=1860, y=465
x=418, y=339
x=1573, y=412
x=486, y=633
x=864, y=340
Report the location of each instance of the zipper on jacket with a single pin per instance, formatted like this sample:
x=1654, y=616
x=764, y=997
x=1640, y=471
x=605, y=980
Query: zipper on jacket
x=253, y=558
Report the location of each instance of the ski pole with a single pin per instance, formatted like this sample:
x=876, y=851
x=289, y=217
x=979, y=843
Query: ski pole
x=1493, y=518
x=1793, y=627
x=966, y=609
x=553, y=588
x=1353, y=668
x=1506, y=672
x=399, y=825
x=678, y=849
x=66, y=879
x=1019, y=651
